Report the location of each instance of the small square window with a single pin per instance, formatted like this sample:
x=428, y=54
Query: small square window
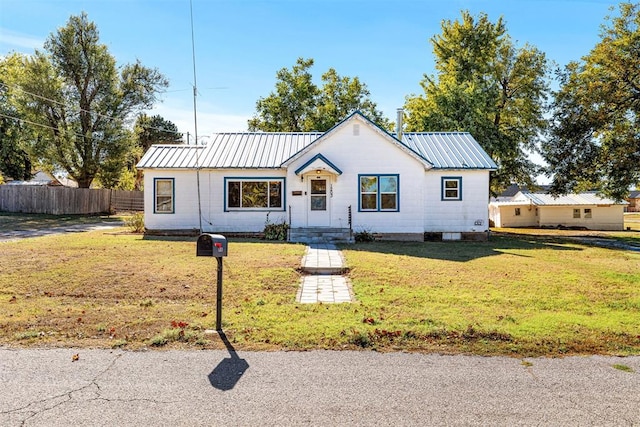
x=576, y=213
x=451, y=188
x=517, y=211
x=587, y=213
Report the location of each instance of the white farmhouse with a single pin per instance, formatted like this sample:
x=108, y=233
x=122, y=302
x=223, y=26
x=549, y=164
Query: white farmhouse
x=354, y=177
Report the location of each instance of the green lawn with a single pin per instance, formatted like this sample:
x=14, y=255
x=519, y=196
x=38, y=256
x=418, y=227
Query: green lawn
x=520, y=295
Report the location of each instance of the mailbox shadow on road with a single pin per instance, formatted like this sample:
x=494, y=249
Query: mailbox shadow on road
x=226, y=375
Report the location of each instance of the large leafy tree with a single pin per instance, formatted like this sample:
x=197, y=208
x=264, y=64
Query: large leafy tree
x=15, y=162
x=594, y=140
x=148, y=131
x=290, y=108
x=340, y=96
x=298, y=105
x=155, y=130
x=81, y=102
x=487, y=86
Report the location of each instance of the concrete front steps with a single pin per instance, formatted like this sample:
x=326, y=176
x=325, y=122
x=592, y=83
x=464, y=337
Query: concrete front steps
x=320, y=235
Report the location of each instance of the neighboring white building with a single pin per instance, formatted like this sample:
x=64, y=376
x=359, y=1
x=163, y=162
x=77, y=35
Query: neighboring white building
x=40, y=178
x=354, y=176
x=43, y=178
x=529, y=209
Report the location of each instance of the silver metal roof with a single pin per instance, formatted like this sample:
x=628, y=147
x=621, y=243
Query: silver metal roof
x=589, y=198
x=449, y=150
x=171, y=156
x=260, y=150
x=254, y=150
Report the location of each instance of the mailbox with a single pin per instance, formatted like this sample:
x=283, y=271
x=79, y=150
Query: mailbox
x=211, y=245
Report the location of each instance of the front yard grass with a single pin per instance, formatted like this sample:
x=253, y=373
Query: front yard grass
x=519, y=295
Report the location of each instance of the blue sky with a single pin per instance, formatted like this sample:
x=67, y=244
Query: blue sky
x=241, y=44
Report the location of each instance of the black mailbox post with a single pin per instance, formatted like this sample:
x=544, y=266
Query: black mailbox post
x=214, y=245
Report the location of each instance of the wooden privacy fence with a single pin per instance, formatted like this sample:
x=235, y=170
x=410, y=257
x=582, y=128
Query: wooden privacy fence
x=122, y=200
x=67, y=201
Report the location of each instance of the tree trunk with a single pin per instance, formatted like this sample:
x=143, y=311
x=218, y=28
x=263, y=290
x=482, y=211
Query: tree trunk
x=84, y=182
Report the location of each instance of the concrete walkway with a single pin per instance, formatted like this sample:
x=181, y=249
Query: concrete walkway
x=324, y=283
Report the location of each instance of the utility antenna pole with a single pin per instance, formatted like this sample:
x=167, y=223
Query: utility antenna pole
x=195, y=85
x=195, y=117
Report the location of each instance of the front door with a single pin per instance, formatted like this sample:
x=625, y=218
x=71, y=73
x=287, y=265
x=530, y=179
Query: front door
x=319, y=214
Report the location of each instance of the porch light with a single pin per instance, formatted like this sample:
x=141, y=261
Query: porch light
x=318, y=171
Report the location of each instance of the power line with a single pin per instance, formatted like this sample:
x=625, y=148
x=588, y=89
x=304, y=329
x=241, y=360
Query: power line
x=15, y=87
x=191, y=88
x=18, y=119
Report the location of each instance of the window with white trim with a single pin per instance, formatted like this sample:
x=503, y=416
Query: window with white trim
x=517, y=211
x=379, y=193
x=451, y=188
x=576, y=213
x=250, y=193
x=163, y=193
x=587, y=213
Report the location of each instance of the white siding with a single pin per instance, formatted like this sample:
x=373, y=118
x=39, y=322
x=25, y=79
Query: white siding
x=214, y=218
x=366, y=153
x=185, y=216
x=457, y=215
x=505, y=215
x=602, y=217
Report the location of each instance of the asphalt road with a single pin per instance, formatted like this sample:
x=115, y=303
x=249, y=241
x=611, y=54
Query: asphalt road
x=225, y=388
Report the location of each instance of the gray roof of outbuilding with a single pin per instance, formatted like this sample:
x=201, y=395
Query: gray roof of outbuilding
x=587, y=198
x=260, y=150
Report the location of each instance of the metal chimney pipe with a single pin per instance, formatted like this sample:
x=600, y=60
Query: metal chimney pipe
x=399, y=123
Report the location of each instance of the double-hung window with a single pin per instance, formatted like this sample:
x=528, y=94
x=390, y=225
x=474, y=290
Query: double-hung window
x=451, y=188
x=379, y=193
x=163, y=193
x=254, y=193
